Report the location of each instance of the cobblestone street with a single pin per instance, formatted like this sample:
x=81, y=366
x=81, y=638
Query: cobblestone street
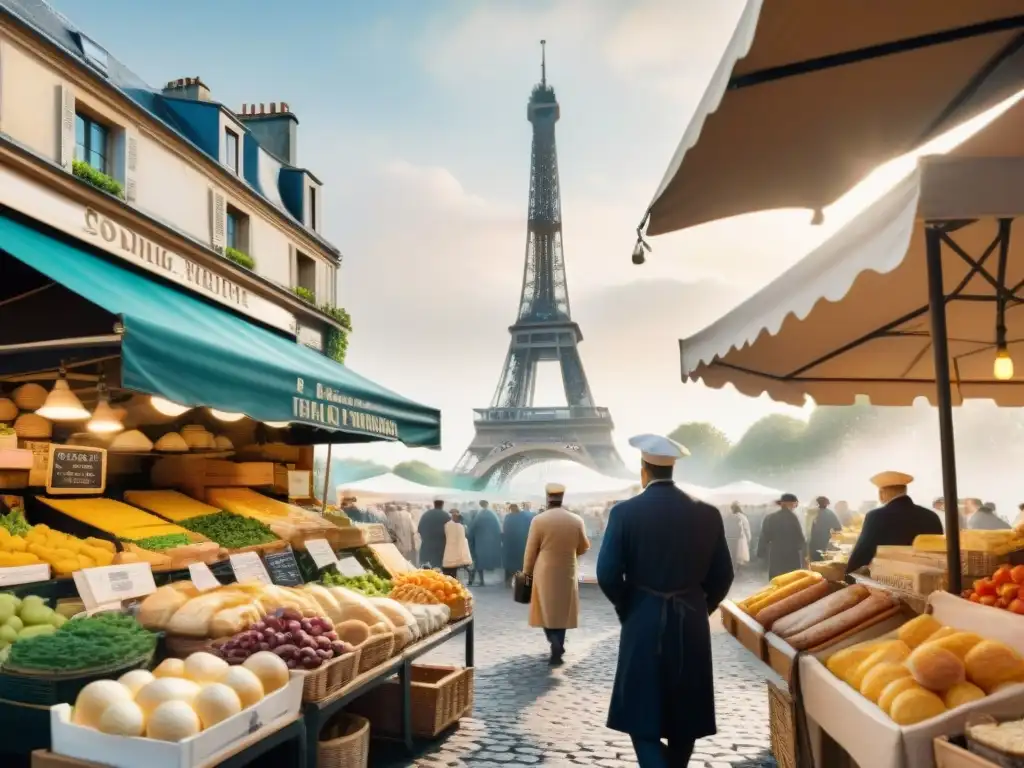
x=527, y=713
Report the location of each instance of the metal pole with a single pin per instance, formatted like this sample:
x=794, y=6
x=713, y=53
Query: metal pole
x=940, y=349
x=327, y=479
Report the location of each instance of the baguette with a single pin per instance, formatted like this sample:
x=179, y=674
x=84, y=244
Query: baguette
x=835, y=625
x=768, y=616
x=781, y=593
x=817, y=612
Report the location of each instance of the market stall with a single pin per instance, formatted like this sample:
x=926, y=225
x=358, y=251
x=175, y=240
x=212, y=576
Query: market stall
x=912, y=298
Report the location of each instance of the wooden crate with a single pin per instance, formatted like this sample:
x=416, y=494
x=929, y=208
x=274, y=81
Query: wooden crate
x=949, y=755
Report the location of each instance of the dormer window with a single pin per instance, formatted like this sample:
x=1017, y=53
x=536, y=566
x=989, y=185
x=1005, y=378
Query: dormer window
x=94, y=54
x=231, y=150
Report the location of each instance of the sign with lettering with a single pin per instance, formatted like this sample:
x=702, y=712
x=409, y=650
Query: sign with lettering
x=120, y=240
x=300, y=483
x=113, y=583
x=24, y=574
x=321, y=552
x=324, y=406
x=76, y=469
x=248, y=567
x=284, y=568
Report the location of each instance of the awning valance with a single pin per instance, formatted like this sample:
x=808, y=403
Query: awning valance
x=181, y=348
x=852, y=318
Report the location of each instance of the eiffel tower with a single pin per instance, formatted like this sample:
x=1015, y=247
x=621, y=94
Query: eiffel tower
x=513, y=433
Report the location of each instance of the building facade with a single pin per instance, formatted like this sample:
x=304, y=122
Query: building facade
x=167, y=178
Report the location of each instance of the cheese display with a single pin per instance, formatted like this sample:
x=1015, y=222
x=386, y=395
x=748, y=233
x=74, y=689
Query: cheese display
x=171, y=505
x=227, y=529
x=926, y=669
x=999, y=542
x=177, y=708
x=131, y=441
x=1003, y=743
x=287, y=521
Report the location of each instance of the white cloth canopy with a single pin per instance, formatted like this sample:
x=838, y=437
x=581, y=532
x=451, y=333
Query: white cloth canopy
x=743, y=492
x=391, y=487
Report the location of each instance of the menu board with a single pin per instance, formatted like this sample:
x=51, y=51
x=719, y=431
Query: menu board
x=223, y=571
x=284, y=568
x=76, y=469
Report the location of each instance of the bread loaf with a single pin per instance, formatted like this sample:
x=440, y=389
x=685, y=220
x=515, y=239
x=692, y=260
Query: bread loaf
x=990, y=663
x=839, y=623
x=894, y=689
x=875, y=681
x=919, y=629
x=819, y=610
x=781, y=593
x=962, y=693
x=768, y=616
x=936, y=668
x=915, y=706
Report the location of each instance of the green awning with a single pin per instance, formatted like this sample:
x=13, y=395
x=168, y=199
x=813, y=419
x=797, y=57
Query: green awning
x=181, y=348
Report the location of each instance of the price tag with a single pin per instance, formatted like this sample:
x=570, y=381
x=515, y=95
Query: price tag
x=300, y=483
x=113, y=583
x=350, y=567
x=202, y=576
x=24, y=574
x=248, y=567
x=321, y=552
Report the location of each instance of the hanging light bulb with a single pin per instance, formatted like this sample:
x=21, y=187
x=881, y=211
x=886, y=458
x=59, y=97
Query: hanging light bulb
x=166, y=407
x=1002, y=368
x=277, y=424
x=226, y=415
x=105, y=420
x=62, y=404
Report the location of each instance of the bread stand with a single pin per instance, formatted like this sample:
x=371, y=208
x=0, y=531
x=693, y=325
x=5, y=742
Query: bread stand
x=316, y=714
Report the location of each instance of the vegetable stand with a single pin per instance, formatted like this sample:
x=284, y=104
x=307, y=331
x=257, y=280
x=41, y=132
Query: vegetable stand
x=318, y=713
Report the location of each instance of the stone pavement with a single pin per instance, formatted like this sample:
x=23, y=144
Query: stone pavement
x=527, y=713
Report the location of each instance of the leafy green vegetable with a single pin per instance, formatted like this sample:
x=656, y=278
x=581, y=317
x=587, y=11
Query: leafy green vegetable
x=166, y=541
x=15, y=522
x=105, y=639
x=230, y=530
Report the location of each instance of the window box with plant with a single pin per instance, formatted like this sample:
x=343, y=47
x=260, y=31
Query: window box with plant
x=98, y=179
x=8, y=438
x=336, y=339
x=305, y=294
x=241, y=258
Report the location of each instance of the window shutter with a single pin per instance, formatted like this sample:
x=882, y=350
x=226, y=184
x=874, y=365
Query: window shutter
x=293, y=267
x=130, y=166
x=218, y=223
x=67, y=126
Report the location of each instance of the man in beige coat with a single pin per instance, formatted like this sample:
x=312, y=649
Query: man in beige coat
x=557, y=538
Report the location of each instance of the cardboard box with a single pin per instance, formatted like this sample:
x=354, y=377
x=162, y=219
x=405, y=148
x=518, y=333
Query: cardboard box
x=867, y=733
x=82, y=743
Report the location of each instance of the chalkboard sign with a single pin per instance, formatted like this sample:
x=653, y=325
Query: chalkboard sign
x=284, y=568
x=223, y=571
x=76, y=469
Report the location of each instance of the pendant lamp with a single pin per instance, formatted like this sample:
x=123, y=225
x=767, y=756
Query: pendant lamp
x=61, y=403
x=105, y=420
x=226, y=416
x=166, y=407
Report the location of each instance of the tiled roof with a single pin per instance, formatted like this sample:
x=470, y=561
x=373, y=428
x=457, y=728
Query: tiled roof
x=44, y=20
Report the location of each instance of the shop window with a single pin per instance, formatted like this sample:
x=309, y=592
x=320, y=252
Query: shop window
x=236, y=238
x=231, y=149
x=92, y=143
x=305, y=275
x=312, y=208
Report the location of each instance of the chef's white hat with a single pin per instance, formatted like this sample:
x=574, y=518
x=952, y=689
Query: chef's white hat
x=554, y=489
x=890, y=478
x=658, y=450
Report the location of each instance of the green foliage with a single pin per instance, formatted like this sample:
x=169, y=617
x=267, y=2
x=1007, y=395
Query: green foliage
x=98, y=179
x=239, y=257
x=305, y=294
x=708, y=446
x=230, y=530
x=336, y=340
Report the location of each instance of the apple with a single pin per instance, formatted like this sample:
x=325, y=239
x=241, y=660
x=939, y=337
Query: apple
x=1017, y=574
x=1002, y=575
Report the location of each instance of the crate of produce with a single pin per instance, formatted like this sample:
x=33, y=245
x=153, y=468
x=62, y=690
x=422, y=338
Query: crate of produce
x=441, y=696
x=344, y=742
x=908, y=577
x=375, y=533
x=334, y=675
x=782, y=725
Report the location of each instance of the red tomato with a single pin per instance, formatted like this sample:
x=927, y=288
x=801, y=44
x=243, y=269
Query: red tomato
x=1002, y=602
x=988, y=600
x=1017, y=574
x=975, y=597
x=1017, y=606
x=1002, y=575
x=985, y=587
x=1008, y=591
x=966, y=594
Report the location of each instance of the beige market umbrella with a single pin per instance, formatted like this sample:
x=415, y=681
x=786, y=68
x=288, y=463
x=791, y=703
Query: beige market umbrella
x=810, y=96
x=919, y=295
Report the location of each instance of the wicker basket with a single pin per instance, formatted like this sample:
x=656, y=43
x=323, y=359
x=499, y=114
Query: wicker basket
x=782, y=726
x=441, y=696
x=461, y=607
x=347, y=742
x=374, y=651
x=181, y=647
x=320, y=683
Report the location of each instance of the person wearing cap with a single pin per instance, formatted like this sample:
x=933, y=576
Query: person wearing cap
x=556, y=540
x=822, y=526
x=432, y=536
x=665, y=566
x=896, y=523
x=782, y=541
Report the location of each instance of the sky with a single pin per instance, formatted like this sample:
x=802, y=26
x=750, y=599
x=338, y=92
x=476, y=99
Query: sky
x=413, y=114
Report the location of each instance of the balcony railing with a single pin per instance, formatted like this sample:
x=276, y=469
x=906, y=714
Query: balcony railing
x=540, y=414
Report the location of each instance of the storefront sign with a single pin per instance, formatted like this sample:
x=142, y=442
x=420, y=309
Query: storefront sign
x=311, y=337
x=120, y=240
x=76, y=469
x=324, y=406
x=113, y=583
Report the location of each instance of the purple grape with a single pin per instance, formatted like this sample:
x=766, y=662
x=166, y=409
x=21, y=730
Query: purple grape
x=264, y=646
x=272, y=622
x=332, y=635
x=324, y=655
x=339, y=648
x=268, y=633
x=300, y=637
x=260, y=625
x=311, y=662
x=286, y=651
x=306, y=624
x=323, y=643
x=327, y=624
x=292, y=663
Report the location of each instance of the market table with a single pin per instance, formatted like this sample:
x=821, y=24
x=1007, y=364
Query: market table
x=246, y=753
x=316, y=714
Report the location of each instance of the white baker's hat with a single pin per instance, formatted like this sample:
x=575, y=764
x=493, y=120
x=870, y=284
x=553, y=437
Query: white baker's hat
x=658, y=450
x=888, y=478
x=553, y=489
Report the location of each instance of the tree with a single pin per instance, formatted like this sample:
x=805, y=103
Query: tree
x=770, y=446
x=708, y=446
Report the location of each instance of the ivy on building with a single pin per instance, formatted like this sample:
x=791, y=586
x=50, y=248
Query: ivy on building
x=98, y=179
x=239, y=257
x=335, y=339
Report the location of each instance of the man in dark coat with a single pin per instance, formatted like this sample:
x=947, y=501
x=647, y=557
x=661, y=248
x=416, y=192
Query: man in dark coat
x=515, y=531
x=825, y=522
x=782, y=541
x=432, y=538
x=896, y=523
x=665, y=566
x=485, y=541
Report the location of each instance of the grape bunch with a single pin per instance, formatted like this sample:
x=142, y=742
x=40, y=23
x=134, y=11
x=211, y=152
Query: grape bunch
x=302, y=643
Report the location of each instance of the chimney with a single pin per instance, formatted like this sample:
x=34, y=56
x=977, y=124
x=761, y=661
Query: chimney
x=275, y=127
x=187, y=88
